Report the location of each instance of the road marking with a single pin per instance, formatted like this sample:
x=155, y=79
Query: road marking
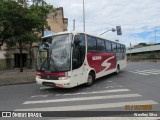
x=147, y=72
x=109, y=81
x=94, y=92
x=41, y=88
x=152, y=72
x=89, y=107
x=40, y=96
x=83, y=98
x=114, y=86
x=139, y=73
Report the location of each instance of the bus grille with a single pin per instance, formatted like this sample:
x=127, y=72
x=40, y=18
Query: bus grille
x=49, y=77
x=48, y=84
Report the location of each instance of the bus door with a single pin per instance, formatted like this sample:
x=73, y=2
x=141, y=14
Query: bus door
x=78, y=57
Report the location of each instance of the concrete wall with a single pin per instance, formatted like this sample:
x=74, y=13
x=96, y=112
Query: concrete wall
x=144, y=49
x=2, y=60
x=2, y=54
x=148, y=53
x=3, y=64
x=152, y=56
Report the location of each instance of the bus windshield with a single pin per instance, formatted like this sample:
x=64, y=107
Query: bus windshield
x=55, y=56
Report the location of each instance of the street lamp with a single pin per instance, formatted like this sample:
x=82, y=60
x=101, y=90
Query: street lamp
x=74, y=22
x=118, y=29
x=130, y=50
x=113, y=30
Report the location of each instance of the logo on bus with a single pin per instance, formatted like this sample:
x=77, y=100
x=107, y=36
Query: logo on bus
x=96, y=57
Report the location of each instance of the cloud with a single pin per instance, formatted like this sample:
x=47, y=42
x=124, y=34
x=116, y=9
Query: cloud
x=135, y=17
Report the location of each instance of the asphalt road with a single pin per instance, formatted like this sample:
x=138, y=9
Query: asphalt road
x=137, y=84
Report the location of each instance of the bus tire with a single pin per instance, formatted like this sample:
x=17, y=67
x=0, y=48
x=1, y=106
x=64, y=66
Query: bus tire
x=117, y=70
x=90, y=79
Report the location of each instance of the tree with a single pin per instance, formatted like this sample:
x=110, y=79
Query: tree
x=41, y=10
x=6, y=30
x=18, y=24
x=143, y=44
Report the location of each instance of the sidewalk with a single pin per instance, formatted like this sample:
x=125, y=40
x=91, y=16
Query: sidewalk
x=10, y=77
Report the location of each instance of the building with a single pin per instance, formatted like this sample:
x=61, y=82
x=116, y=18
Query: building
x=56, y=20
x=147, y=53
x=10, y=58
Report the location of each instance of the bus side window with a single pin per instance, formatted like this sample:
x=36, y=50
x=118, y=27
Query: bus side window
x=122, y=49
x=118, y=48
x=92, y=44
x=108, y=46
x=78, y=51
x=114, y=47
x=100, y=45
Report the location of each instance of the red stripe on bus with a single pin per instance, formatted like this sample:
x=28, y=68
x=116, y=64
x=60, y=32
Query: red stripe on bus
x=58, y=74
x=101, y=61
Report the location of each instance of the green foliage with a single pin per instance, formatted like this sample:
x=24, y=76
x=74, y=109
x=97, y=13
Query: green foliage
x=20, y=22
x=6, y=29
x=16, y=19
x=143, y=44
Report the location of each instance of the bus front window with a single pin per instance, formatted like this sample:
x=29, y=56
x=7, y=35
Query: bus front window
x=60, y=53
x=58, y=57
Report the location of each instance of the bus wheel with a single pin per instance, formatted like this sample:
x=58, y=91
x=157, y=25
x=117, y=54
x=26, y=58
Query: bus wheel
x=90, y=79
x=118, y=70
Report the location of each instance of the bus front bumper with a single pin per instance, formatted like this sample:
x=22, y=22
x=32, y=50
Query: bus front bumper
x=55, y=83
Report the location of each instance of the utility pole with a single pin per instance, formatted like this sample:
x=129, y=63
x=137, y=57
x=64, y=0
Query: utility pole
x=83, y=17
x=130, y=50
x=42, y=19
x=130, y=54
x=155, y=36
x=74, y=24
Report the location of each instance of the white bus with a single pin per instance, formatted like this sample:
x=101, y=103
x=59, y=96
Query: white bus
x=69, y=59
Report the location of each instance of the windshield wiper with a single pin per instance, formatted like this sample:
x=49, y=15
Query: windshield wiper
x=43, y=64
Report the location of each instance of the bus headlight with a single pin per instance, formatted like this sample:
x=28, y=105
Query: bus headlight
x=63, y=78
x=37, y=76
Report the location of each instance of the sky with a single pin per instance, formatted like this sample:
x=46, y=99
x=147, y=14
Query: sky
x=139, y=19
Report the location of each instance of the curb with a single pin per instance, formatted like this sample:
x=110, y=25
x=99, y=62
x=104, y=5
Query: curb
x=13, y=77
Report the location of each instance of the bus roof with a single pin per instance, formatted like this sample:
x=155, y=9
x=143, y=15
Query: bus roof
x=76, y=32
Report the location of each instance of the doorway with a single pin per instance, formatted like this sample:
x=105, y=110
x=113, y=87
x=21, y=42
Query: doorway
x=17, y=60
